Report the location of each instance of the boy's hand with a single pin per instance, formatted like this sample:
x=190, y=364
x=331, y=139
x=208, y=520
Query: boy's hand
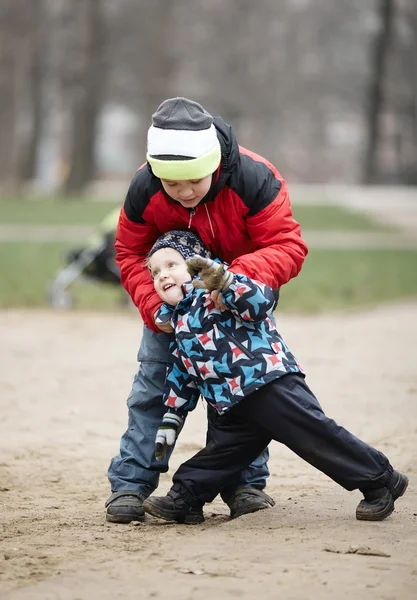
x=214, y=276
x=167, y=434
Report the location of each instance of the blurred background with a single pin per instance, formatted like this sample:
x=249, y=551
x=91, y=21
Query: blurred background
x=325, y=90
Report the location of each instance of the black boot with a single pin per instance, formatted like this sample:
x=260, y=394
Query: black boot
x=175, y=506
x=378, y=504
x=125, y=506
x=248, y=500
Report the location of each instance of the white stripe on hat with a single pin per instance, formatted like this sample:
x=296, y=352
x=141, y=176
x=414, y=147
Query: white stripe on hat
x=181, y=142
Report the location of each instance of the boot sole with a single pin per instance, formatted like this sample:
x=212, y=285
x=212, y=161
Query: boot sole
x=123, y=519
x=383, y=514
x=153, y=510
x=249, y=510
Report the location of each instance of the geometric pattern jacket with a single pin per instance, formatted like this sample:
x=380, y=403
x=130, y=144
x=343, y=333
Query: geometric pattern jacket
x=224, y=356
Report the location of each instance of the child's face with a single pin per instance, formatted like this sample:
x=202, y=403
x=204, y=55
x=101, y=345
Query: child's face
x=169, y=272
x=188, y=192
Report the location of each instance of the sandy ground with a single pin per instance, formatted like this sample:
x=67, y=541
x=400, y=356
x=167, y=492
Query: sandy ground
x=64, y=381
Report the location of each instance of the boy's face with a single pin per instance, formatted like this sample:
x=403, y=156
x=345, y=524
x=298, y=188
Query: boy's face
x=188, y=192
x=169, y=272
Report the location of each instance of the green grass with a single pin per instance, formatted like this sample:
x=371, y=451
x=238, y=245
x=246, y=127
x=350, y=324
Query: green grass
x=27, y=268
x=339, y=279
x=336, y=279
x=329, y=280
x=56, y=211
x=335, y=217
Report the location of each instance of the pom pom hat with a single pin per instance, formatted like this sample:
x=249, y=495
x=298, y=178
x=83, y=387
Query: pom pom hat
x=182, y=141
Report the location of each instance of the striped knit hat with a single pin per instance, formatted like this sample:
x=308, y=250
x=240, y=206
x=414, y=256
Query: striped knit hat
x=182, y=141
x=187, y=243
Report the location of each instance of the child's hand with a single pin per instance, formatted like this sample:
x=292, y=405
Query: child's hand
x=167, y=434
x=214, y=276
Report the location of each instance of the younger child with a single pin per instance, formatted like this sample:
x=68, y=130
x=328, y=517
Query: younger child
x=239, y=363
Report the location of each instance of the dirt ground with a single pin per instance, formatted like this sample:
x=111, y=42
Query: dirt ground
x=64, y=380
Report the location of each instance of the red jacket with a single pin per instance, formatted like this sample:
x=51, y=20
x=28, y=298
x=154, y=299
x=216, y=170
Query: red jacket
x=245, y=220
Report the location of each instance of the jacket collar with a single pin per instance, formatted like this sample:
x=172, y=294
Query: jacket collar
x=167, y=311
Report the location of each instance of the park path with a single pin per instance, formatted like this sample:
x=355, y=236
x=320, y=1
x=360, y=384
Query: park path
x=392, y=206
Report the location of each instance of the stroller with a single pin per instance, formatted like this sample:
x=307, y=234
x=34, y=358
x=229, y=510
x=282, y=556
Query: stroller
x=95, y=262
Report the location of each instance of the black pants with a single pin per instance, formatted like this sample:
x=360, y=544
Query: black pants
x=287, y=411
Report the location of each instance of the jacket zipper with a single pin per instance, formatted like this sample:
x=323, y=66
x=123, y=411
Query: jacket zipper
x=211, y=225
x=192, y=213
x=233, y=340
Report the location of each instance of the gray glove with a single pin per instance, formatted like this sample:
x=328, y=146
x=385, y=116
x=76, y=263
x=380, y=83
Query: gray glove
x=213, y=275
x=167, y=433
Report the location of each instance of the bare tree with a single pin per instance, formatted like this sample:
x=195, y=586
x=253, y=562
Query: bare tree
x=288, y=76
x=407, y=102
x=146, y=38
x=8, y=92
x=379, y=64
x=32, y=89
x=86, y=89
x=20, y=90
x=291, y=78
x=413, y=99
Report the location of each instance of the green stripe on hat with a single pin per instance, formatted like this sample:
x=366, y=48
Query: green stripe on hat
x=195, y=168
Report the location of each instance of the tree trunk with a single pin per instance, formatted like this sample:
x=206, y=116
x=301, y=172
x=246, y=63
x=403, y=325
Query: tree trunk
x=87, y=100
x=412, y=176
x=8, y=95
x=29, y=147
x=376, y=89
x=157, y=63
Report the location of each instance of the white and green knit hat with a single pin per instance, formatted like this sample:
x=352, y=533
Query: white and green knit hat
x=182, y=141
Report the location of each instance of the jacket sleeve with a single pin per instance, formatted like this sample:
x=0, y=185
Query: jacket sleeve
x=281, y=249
x=134, y=239
x=181, y=393
x=249, y=301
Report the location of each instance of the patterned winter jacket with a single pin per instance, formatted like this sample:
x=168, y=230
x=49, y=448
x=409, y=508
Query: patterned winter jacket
x=244, y=220
x=223, y=356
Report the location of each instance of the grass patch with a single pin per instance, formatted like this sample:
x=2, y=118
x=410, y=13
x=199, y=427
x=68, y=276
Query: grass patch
x=330, y=280
x=26, y=269
x=58, y=211
x=339, y=279
x=335, y=217
x=55, y=211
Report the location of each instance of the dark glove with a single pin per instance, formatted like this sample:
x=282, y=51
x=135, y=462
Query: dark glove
x=213, y=275
x=167, y=433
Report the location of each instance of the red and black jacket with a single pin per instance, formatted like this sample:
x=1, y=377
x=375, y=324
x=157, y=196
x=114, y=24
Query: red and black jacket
x=244, y=220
